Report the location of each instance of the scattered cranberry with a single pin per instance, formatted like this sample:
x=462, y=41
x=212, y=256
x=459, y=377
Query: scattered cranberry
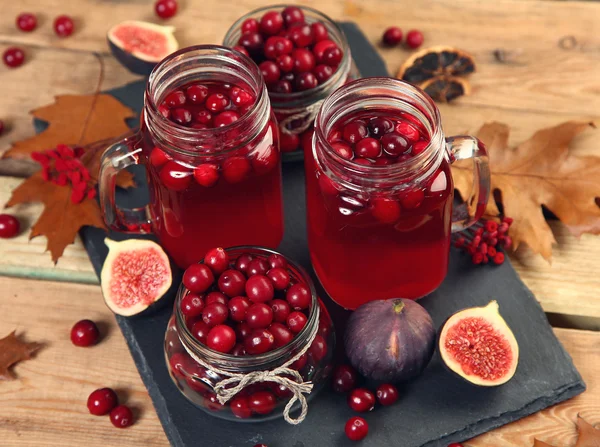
x=392, y=36
x=356, y=428
x=121, y=416
x=198, y=278
x=387, y=394
x=165, y=9
x=361, y=400
x=414, y=39
x=385, y=210
x=9, y=226
x=102, y=401
x=63, y=26
x=85, y=333
x=236, y=169
x=221, y=338
x=13, y=57
x=26, y=22
x=344, y=379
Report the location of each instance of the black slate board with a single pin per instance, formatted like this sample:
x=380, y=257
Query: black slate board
x=434, y=410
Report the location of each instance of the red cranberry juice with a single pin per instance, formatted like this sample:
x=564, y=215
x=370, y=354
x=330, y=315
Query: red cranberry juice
x=226, y=200
x=369, y=246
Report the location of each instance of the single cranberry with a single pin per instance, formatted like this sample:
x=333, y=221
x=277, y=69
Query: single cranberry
x=200, y=331
x=175, y=99
x=217, y=260
x=192, y=305
x=392, y=36
x=26, y=22
x=63, y=26
x=252, y=42
x=363, y=161
x=277, y=46
x=318, y=349
x=344, y=379
x=319, y=31
x=300, y=363
x=158, y=157
x=102, y=401
x=259, y=288
x=378, y=127
x=250, y=25
x=355, y=131
x=419, y=147
x=368, y=148
x=203, y=117
x=257, y=266
x=243, y=262
x=215, y=314
x=356, y=428
x=296, y=321
x=85, y=333
x=385, y=210
x=281, y=310
x=196, y=94
x=238, y=350
x=13, y=57
x=240, y=407
x=121, y=416
x=323, y=73
x=165, y=9
x=181, y=116
x=412, y=199
x=288, y=142
x=212, y=403
x=394, y=144
x=259, y=341
x=206, y=175
x=241, y=97
x=383, y=161
x=387, y=394
x=301, y=35
x=304, y=60
x=320, y=48
x=285, y=64
x=217, y=102
x=238, y=307
x=232, y=283
x=279, y=277
x=455, y=444
x=242, y=330
x=226, y=118
x=9, y=226
x=292, y=15
x=277, y=261
x=259, y=315
x=236, y=169
x=216, y=297
x=414, y=39
x=271, y=23
x=175, y=177
x=270, y=71
x=408, y=131
x=281, y=334
x=198, y=278
x=221, y=338
x=262, y=402
x=333, y=56
x=299, y=296
x=343, y=150
x=281, y=391
x=361, y=400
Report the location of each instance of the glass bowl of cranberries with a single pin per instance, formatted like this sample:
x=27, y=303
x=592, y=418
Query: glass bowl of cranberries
x=303, y=56
x=243, y=310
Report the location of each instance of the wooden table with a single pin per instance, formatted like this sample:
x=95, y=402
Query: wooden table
x=550, y=75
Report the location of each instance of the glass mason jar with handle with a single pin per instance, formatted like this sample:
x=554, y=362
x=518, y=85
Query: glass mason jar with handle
x=379, y=212
x=209, y=144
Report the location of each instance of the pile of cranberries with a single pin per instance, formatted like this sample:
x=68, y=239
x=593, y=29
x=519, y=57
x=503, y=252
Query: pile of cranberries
x=293, y=55
x=104, y=401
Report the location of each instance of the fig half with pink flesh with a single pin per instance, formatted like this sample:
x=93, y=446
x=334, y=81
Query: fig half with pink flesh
x=478, y=345
x=135, y=275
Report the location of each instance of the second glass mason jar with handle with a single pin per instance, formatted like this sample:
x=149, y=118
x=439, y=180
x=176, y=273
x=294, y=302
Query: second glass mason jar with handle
x=379, y=192
x=209, y=143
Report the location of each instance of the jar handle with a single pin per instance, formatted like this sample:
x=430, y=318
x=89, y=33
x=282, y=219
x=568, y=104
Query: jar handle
x=117, y=157
x=463, y=147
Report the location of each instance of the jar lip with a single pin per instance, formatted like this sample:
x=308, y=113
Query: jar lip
x=311, y=323
x=322, y=88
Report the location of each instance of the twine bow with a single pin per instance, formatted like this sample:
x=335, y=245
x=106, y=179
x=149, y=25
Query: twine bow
x=305, y=114
x=227, y=388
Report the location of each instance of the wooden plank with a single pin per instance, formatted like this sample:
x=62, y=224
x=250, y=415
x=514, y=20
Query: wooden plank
x=46, y=406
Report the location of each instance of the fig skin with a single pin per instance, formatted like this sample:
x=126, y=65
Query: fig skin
x=491, y=314
x=390, y=340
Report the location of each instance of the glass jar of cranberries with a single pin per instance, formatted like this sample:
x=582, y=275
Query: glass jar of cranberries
x=242, y=310
x=379, y=192
x=208, y=141
x=303, y=56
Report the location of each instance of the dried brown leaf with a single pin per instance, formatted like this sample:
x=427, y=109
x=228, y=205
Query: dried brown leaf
x=14, y=350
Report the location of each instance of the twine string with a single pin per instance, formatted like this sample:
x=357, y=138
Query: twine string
x=307, y=116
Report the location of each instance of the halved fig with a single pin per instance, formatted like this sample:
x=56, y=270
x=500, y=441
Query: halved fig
x=135, y=275
x=478, y=345
x=139, y=46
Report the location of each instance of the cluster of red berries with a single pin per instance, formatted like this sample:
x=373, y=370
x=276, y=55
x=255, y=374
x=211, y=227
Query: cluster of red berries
x=165, y=9
x=63, y=166
x=9, y=226
x=292, y=55
x=104, y=401
x=393, y=36
x=484, y=240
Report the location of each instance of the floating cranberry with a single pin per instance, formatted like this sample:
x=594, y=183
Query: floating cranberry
x=175, y=99
x=394, y=144
x=206, y=174
x=392, y=36
x=215, y=314
x=252, y=42
x=356, y=428
x=344, y=379
x=200, y=331
x=241, y=97
x=412, y=199
x=333, y=56
x=63, y=26
x=385, y=210
x=368, y=148
x=217, y=102
x=319, y=31
x=9, y=226
x=198, y=278
x=221, y=338
x=304, y=60
x=361, y=400
x=281, y=334
x=328, y=187
x=299, y=296
x=203, y=117
x=121, y=416
x=175, y=177
x=192, y=305
x=296, y=321
x=387, y=394
x=181, y=116
x=318, y=348
x=285, y=64
x=250, y=25
x=323, y=73
x=343, y=150
x=257, y=266
x=158, y=157
x=271, y=23
x=243, y=262
x=165, y=9
x=414, y=39
x=102, y=401
x=85, y=333
x=259, y=288
x=13, y=57
x=281, y=310
x=232, y=283
x=240, y=407
x=378, y=126
x=279, y=277
x=238, y=307
x=196, y=94
x=226, y=118
x=26, y=22
x=292, y=15
x=259, y=315
x=419, y=147
x=355, y=131
x=301, y=35
x=259, y=341
x=408, y=131
x=236, y=169
x=277, y=46
x=217, y=260
x=262, y=402
x=306, y=81
x=216, y=297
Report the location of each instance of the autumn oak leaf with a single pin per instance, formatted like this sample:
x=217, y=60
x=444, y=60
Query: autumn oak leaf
x=14, y=350
x=587, y=435
x=539, y=171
